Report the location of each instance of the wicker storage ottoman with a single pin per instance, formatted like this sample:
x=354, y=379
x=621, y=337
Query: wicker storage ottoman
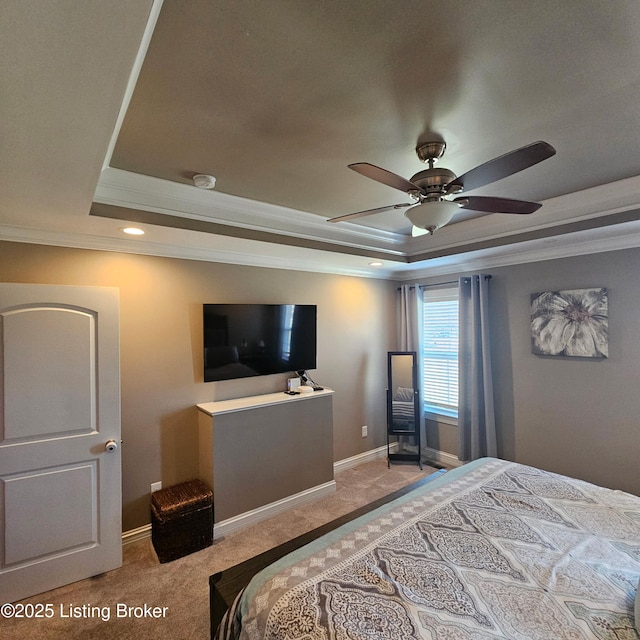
x=181, y=519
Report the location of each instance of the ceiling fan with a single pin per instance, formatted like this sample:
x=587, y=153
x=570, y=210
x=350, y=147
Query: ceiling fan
x=428, y=190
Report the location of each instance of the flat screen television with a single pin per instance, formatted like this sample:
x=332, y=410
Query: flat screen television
x=243, y=340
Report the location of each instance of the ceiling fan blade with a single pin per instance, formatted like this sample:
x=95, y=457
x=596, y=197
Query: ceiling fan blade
x=368, y=212
x=497, y=205
x=385, y=177
x=501, y=167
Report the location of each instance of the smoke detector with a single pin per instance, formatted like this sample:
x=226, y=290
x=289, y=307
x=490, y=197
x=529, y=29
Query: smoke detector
x=203, y=181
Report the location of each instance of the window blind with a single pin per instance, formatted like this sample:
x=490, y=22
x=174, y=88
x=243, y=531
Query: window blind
x=440, y=355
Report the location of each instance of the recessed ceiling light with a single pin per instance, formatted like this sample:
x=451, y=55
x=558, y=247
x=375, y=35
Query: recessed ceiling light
x=375, y=264
x=132, y=231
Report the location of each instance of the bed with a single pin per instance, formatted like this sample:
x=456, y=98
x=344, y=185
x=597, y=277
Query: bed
x=490, y=550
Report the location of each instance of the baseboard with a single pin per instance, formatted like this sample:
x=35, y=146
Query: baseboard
x=435, y=455
x=442, y=457
x=225, y=527
x=361, y=458
x=134, y=535
x=230, y=525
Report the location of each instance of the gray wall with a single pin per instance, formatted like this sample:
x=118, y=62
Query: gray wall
x=161, y=349
x=571, y=416
x=574, y=416
x=257, y=456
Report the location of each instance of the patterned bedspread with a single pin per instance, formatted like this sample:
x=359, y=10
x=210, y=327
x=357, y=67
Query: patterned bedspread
x=490, y=550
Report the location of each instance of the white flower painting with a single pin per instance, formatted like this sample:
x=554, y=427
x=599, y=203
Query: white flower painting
x=570, y=323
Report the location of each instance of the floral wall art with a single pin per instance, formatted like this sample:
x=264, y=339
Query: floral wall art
x=570, y=323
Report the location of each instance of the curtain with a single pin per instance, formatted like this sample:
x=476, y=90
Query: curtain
x=476, y=417
x=410, y=312
x=410, y=317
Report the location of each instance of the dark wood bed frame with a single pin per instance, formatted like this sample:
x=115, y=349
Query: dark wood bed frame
x=225, y=585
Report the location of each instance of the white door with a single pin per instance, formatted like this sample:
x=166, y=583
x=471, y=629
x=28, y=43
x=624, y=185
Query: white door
x=60, y=481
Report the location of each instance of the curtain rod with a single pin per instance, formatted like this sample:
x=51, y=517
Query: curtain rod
x=443, y=284
x=438, y=284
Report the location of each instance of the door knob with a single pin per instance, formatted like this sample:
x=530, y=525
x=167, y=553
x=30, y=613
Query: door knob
x=111, y=445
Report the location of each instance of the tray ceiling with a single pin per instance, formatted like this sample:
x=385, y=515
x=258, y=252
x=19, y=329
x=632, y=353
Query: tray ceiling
x=111, y=111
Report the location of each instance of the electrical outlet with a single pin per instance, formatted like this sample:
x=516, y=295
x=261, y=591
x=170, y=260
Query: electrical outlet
x=156, y=486
x=365, y=431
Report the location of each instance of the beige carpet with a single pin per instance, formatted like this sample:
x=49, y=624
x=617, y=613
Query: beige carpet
x=180, y=589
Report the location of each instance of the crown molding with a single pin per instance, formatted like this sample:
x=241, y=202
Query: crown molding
x=627, y=237
x=134, y=191
x=145, y=193
x=319, y=251
x=589, y=204
x=152, y=20
x=312, y=260
x=620, y=237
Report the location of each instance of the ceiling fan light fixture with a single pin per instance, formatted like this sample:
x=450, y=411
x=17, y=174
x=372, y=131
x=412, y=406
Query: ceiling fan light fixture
x=417, y=232
x=431, y=215
x=431, y=186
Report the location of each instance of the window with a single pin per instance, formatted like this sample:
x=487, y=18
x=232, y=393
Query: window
x=440, y=354
x=286, y=329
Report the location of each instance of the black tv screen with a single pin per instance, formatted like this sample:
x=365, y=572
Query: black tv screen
x=243, y=340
